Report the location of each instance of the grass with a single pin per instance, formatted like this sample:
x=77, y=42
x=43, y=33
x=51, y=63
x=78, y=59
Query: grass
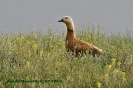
x=38, y=60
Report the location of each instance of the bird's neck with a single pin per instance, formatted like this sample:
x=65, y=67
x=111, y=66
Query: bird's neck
x=70, y=26
x=70, y=32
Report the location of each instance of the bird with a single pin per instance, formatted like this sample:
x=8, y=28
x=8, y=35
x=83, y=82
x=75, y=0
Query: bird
x=76, y=46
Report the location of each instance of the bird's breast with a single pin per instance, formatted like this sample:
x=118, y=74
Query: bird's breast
x=72, y=45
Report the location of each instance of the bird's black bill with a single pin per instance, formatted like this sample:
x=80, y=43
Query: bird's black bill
x=61, y=20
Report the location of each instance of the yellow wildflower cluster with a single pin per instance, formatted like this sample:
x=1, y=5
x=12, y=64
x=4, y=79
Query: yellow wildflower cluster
x=123, y=73
x=28, y=64
x=41, y=52
x=17, y=52
x=113, y=72
x=98, y=84
x=29, y=51
x=113, y=59
x=28, y=42
x=106, y=75
x=34, y=46
x=124, y=79
x=109, y=66
x=116, y=71
x=118, y=63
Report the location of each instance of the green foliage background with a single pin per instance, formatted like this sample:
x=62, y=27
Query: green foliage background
x=43, y=58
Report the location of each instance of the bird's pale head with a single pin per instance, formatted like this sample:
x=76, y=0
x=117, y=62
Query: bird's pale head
x=68, y=21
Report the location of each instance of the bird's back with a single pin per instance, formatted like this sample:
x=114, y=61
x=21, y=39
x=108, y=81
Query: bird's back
x=80, y=47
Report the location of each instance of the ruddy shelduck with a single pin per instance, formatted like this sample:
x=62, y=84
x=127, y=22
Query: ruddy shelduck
x=74, y=45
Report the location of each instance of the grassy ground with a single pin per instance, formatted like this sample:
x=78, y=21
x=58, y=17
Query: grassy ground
x=38, y=60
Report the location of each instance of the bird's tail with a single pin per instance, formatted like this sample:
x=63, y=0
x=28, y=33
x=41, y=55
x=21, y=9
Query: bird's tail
x=97, y=51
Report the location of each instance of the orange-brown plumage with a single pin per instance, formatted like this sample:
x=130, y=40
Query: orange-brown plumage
x=75, y=45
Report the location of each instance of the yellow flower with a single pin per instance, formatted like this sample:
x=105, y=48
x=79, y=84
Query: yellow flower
x=116, y=71
x=106, y=75
x=17, y=52
x=98, y=84
x=28, y=63
x=52, y=46
x=109, y=66
x=68, y=62
x=124, y=79
x=34, y=46
x=123, y=73
x=41, y=52
x=59, y=43
x=27, y=42
x=29, y=51
x=113, y=59
x=118, y=63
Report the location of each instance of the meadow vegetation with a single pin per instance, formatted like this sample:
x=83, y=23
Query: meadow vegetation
x=37, y=60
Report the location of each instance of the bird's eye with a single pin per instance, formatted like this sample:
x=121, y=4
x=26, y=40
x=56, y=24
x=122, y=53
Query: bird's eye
x=66, y=18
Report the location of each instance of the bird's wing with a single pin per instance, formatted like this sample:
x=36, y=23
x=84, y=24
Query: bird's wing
x=85, y=46
x=82, y=45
